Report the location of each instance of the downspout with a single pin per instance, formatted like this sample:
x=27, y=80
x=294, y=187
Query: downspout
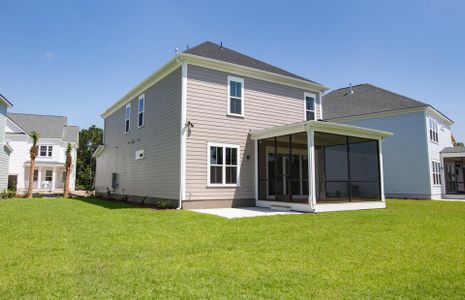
x=183, y=127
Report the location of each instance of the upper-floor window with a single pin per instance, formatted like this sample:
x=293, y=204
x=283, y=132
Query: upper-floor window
x=45, y=151
x=437, y=180
x=223, y=165
x=141, y=109
x=310, y=107
x=433, y=131
x=127, y=118
x=235, y=96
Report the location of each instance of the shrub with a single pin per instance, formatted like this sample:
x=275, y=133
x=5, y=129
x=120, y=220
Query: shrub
x=8, y=194
x=163, y=204
x=37, y=195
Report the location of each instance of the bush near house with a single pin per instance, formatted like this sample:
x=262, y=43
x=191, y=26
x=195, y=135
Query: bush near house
x=88, y=248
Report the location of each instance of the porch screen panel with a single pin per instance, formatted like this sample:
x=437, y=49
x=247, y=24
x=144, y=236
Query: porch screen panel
x=364, y=169
x=266, y=169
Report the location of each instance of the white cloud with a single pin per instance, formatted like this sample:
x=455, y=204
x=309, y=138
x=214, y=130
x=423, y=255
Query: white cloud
x=50, y=56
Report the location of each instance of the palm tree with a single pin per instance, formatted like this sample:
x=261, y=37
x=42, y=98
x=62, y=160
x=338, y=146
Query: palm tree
x=67, y=170
x=33, y=152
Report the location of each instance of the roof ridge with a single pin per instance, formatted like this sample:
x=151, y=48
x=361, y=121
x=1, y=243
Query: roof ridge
x=30, y=114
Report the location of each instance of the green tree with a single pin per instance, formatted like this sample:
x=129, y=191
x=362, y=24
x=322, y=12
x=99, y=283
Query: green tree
x=89, y=140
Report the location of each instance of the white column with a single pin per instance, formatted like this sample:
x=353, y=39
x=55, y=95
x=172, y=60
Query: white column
x=311, y=168
x=39, y=175
x=381, y=169
x=54, y=176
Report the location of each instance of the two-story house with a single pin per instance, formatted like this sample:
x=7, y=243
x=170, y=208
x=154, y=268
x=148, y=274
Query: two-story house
x=420, y=160
x=5, y=149
x=54, y=136
x=217, y=128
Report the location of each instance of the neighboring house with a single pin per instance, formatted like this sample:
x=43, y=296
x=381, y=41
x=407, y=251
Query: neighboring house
x=5, y=149
x=413, y=164
x=49, y=171
x=216, y=128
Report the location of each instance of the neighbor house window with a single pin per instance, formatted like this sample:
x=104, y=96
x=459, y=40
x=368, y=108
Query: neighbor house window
x=36, y=175
x=140, y=115
x=127, y=118
x=45, y=151
x=310, y=107
x=437, y=180
x=433, y=130
x=223, y=165
x=235, y=96
x=48, y=175
x=114, y=181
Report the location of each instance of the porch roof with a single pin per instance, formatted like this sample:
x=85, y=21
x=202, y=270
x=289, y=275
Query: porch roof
x=457, y=151
x=320, y=126
x=40, y=163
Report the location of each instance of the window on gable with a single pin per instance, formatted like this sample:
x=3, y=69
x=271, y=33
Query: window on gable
x=433, y=131
x=45, y=151
x=141, y=109
x=223, y=166
x=236, y=96
x=436, y=166
x=310, y=107
x=127, y=118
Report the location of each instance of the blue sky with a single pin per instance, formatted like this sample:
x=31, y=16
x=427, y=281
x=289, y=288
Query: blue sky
x=76, y=58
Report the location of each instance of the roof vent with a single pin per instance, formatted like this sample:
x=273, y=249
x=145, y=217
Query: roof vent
x=351, y=90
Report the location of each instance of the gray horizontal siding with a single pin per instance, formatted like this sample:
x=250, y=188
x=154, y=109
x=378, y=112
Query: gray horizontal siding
x=157, y=175
x=4, y=158
x=406, y=167
x=266, y=105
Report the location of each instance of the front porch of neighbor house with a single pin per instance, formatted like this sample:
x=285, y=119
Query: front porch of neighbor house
x=319, y=166
x=49, y=177
x=453, y=162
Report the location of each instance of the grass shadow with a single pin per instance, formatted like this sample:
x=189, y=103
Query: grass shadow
x=111, y=203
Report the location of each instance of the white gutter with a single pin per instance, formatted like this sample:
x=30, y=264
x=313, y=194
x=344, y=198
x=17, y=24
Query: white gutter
x=183, y=129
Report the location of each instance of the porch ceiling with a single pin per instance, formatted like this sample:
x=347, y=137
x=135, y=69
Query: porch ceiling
x=320, y=126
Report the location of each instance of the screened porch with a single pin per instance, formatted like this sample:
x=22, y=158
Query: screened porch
x=310, y=165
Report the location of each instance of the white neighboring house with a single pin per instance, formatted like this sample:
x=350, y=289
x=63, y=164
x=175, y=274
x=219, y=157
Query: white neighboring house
x=5, y=149
x=420, y=160
x=55, y=134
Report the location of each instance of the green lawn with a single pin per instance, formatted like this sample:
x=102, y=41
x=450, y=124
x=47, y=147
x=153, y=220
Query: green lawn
x=94, y=249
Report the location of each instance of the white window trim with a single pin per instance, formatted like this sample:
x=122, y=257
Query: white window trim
x=46, y=152
x=241, y=80
x=433, y=126
x=127, y=118
x=238, y=149
x=438, y=172
x=312, y=95
x=141, y=97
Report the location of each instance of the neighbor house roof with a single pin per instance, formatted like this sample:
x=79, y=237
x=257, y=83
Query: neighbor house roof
x=5, y=101
x=218, y=52
x=366, y=99
x=456, y=149
x=46, y=126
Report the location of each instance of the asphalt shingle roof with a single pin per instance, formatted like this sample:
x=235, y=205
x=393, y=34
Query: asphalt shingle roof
x=214, y=51
x=365, y=99
x=46, y=126
x=456, y=149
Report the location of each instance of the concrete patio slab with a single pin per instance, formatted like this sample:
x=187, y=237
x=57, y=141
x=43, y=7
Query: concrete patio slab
x=243, y=212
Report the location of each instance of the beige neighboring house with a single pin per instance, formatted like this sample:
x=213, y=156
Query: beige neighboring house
x=49, y=171
x=217, y=128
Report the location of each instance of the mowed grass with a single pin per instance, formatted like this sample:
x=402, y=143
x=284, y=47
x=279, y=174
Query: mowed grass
x=62, y=248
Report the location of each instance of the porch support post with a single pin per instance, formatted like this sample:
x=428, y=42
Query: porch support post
x=311, y=167
x=381, y=170
x=54, y=176
x=442, y=171
x=39, y=175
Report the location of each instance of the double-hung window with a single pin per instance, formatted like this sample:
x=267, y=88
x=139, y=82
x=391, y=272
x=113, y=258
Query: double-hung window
x=140, y=115
x=310, y=107
x=45, y=151
x=223, y=165
x=127, y=118
x=235, y=96
x=433, y=131
x=49, y=175
x=437, y=180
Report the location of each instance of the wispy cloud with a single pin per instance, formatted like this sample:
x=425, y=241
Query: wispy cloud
x=51, y=56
